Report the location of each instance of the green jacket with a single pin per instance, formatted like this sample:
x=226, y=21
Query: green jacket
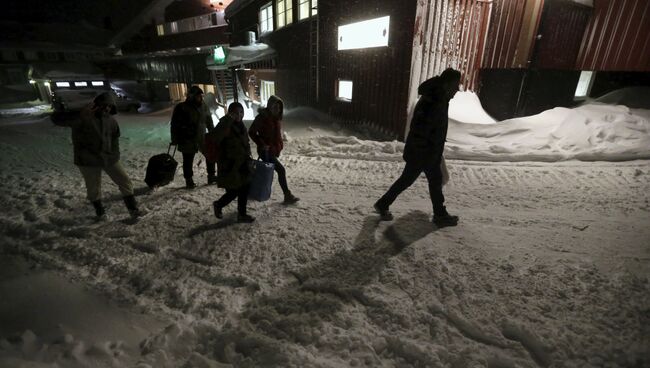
x=95, y=139
x=234, y=159
x=188, y=126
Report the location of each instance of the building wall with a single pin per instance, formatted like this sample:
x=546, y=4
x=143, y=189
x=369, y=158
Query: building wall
x=617, y=37
x=380, y=75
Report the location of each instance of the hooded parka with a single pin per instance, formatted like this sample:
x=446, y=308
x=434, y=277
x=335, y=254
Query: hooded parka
x=234, y=158
x=188, y=125
x=425, y=142
x=95, y=136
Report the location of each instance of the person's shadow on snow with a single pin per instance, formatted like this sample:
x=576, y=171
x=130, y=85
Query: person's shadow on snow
x=296, y=312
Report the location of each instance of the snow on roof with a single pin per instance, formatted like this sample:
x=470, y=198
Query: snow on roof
x=66, y=71
x=242, y=54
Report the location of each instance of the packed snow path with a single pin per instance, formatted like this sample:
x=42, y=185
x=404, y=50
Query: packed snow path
x=547, y=268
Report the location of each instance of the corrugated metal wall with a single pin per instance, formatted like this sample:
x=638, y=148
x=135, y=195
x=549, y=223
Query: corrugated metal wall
x=449, y=33
x=617, y=37
x=511, y=35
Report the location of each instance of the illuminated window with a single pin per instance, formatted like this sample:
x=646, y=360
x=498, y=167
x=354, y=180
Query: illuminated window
x=62, y=84
x=267, y=89
x=361, y=35
x=344, y=90
x=307, y=8
x=174, y=27
x=284, y=12
x=266, y=18
x=97, y=83
x=160, y=29
x=584, y=83
x=80, y=84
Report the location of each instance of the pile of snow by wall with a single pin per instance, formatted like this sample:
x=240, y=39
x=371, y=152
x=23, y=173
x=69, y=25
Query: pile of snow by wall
x=465, y=107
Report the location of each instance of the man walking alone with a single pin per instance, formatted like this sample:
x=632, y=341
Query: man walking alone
x=424, y=146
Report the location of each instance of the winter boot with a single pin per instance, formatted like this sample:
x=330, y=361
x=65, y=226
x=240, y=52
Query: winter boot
x=442, y=218
x=132, y=206
x=384, y=213
x=218, y=213
x=100, y=211
x=189, y=184
x=244, y=218
x=290, y=198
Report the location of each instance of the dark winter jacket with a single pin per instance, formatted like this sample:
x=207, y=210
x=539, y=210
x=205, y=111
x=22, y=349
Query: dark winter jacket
x=188, y=126
x=428, y=131
x=266, y=130
x=234, y=158
x=95, y=138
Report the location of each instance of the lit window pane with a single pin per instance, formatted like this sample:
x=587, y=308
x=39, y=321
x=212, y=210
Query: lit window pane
x=369, y=33
x=314, y=7
x=304, y=10
x=62, y=84
x=345, y=90
x=80, y=84
x=97, y=83
x=584, y=84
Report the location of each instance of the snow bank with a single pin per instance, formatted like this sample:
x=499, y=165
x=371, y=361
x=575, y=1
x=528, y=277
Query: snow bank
x=589, y=132
x=465, y=107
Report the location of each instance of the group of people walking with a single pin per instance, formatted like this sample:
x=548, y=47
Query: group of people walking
x=192, y=130
x=95, y=137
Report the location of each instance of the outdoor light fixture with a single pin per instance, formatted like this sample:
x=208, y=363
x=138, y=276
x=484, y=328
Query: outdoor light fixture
x=219, y=55
x=47, y=84
x=31, y=81
x=361, y=35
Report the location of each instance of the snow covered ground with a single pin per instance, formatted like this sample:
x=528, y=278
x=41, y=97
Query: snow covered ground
x=548, y=267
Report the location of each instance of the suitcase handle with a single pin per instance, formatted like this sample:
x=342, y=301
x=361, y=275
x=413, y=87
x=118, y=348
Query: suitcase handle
x=170, y=147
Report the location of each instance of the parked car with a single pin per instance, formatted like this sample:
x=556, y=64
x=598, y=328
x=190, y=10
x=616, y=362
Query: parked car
x=126, y=103
x=75, y=95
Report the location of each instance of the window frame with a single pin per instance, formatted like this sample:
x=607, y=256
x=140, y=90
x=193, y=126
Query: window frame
x=265, y=10
x=338, y=90
x=311, y=4
x=285, y=15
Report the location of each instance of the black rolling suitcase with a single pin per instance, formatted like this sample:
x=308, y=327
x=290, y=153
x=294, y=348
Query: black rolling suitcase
x=161, y=169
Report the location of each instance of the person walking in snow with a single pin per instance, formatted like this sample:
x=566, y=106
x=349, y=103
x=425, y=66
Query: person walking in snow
x=190, y=120
x=266, y=132
x=95, y=140
x=233, y=162
x=424, y=146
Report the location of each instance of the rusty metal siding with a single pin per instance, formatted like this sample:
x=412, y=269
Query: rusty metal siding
x=449, y=33
x=503, y=34
x=617, y=37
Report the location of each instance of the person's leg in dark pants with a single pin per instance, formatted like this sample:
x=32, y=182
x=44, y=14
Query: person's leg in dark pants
x=408, y=177
x=188, y=162
x=225, y=200
x=440, y=215
x=289, y=198
x=212, y=170
x=282, y=174
x=242, y=200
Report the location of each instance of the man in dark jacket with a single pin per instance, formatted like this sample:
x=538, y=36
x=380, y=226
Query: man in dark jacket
x=189, y=122
x=266, y=132
x=95, y=140
x=424, y=146
x=233, y=162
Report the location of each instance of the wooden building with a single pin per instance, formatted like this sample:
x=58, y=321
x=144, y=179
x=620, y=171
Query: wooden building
x=362, y=61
